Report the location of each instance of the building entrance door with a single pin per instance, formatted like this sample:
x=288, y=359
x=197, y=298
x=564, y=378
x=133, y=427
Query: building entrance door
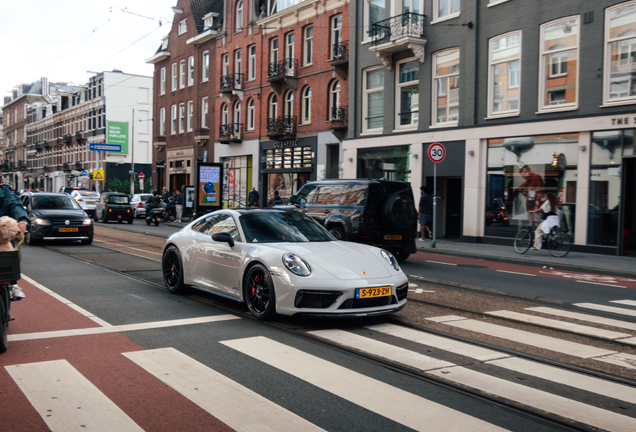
x=453, y=206
x=629, y=208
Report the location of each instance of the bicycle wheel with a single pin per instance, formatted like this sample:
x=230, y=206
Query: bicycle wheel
x=559, y=243
x=523, y=241
x=187, y=215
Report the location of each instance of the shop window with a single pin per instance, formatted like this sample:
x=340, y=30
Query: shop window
x=521, y=171
x=237, y=171
x=391, y=163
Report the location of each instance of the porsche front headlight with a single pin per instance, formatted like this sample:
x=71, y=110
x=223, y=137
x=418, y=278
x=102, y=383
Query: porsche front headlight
x=296, y=265
x=389, y=258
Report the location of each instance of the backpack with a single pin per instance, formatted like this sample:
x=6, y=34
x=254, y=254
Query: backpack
x=278, y=200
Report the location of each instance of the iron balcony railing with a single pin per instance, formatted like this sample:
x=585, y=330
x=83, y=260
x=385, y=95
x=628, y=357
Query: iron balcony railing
x=338, y=116
x=231, y=132
x=232, y=82
x=406, y=25
x=340, y=52
x=287, y=68
x=285, y=125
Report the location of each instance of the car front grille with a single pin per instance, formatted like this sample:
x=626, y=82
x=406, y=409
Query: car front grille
x=402, y=291
x=62, y=221
x=316, y=299
x=368, y=302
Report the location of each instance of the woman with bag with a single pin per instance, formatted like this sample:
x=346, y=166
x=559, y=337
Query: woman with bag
x=549, y=213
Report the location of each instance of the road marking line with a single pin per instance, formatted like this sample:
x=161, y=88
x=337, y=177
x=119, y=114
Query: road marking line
x=517, y=273
x=443, y=343
x=538, y=399
x=560, y=325
x=382, y=349
x=235, y=405
x=620, y=359
x=447, y=318
x=420, y=291
x=439, y=262
x=616, y=310
x=532, y=339
x=625, y=302
x=376, y=396
x=121, y=328
x=600, y=283
x=585, y=317
x=143, y=250
x=66, y=400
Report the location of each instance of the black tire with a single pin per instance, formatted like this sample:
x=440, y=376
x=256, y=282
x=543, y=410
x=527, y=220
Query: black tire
x=120, y=221
x=89, y=241
x=130, y=221
x=401, y=256
x=258, y=293
x=559, y=243
x=186, y=216
x=4, y=318
x=104, y=220
x=156, y=222
x=523, y=241
x=172, y=269
x=337, y=232
x=148, y=221
x=28, y=238
x=399, y=213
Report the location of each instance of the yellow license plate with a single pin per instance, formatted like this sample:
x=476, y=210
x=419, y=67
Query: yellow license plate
x=158, y=219
x=373, y=292
x=68, y=229
x=90, y=202
x=392, y=237
x=119, y=217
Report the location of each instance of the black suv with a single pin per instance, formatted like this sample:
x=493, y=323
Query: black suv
x=376, y=212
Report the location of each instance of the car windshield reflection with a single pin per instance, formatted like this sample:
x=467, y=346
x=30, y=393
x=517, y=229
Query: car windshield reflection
x=54, y=203
x=287, y=227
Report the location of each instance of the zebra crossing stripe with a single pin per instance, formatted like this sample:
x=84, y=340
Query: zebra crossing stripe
x=67, y=401
x=585, y=317
x=616, y=310
x=625, y=302
x=393, y=403
x=235, y=405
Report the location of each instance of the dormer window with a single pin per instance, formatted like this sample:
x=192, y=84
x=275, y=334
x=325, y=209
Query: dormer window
x=182, y=26
x=164, y=42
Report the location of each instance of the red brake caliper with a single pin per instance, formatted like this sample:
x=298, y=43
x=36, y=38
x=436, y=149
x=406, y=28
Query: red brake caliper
x=254, y=285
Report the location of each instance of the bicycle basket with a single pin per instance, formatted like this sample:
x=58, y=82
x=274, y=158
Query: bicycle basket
x=9, y=266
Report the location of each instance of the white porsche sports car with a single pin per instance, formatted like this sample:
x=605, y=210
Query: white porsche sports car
x=282, y=261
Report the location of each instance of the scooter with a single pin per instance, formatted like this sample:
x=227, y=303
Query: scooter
x=156, y=215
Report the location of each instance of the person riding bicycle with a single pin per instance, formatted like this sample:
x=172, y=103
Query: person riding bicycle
x=10, y=205
x=549, y=212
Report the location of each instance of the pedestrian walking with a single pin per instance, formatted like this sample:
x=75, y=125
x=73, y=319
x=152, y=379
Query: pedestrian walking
x=425, y=211
x=253, y=197
x=178, y=203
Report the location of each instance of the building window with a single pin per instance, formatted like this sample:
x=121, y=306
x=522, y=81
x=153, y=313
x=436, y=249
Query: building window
x=273, y=51
x=182, y=73
x=306, y=107
x=446, y=88
x=239, y=16
x=162, y=121
x=504, y=87
x=238, y=68
x=173, y=119
x=620, y=54
x=334, y=100
x=389, y=162
x=336, y=35
x=251, y=114
x=445, y=9
x=373, y=102
x=182, y=27
x=174, y=76
x=273, y=106
x=289, y=104
x=373, y=13
x=204, y=112
x=224, y=115
x=181, y=118
x=289, y=46
x=163, y=81
x=190, y=115
x=225, y=69
x=407, y=103
x=251, y=66
x=191, y=70
x=558, y=74
x=205, y=66
x=237, y=114
x=309, y=45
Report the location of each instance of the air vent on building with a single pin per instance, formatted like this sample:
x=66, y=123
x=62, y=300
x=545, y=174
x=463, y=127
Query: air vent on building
x=588, y=17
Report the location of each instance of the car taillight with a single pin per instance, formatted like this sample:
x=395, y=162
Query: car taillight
x=140, y=205
x=110, y=210
x=77, y=199
x=128, y=211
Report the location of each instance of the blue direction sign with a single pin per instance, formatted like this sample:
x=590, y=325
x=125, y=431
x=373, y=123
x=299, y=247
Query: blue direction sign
x=104, y=147
x=84, y=173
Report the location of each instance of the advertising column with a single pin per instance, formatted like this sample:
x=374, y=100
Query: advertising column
x=209, y=187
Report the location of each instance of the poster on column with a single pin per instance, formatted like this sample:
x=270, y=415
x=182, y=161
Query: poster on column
x=209, y=187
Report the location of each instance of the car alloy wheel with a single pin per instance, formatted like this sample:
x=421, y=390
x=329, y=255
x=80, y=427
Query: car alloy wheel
x=173, y=270
x=259, y=292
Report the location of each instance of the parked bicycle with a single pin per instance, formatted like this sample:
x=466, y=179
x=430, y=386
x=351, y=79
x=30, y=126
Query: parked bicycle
x=558, y=242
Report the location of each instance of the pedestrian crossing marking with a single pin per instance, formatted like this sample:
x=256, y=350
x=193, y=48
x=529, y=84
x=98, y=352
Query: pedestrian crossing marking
x=625, y=302
x=378, y=397
x=67, y=401
x=561, y=325
x=616, y=310
x=585, y=317
x=235, y=405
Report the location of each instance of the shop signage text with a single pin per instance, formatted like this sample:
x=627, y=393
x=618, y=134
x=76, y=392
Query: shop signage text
x=287, y=143
x=622, y=121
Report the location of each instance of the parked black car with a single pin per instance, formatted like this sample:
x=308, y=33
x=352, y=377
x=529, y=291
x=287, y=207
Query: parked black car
x=55, y=216
x=114, y=206
x=376, y=212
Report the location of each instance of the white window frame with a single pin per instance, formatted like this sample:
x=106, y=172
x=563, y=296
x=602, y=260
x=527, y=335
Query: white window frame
x=238, y=66
x=162, y=79
x=607, y=100
x=190, y=116
x=182, y=27
x=335, y=33
x=308, y=46
x=437, y=18
x=190, y=71
x=435, y=94
x=251, y=114
x=204, y=112
x=225, y=116
x=236, y=117
x=333, y=93
x=398, y=85
x=491, y=41
x=205, y=66
x=272, y=106
x=273, y=51
x=546, y=57
x=182, y=73
x=288, y=104
x=181, y=117
x=251, y=64
x=225, y=68
x=496, y=2
x=175, y=77
x=365, y=100
x=162, y=121
x=366, y=26
x=306, y=106
x=173, y=120
x=290, y=45
x=239, y=16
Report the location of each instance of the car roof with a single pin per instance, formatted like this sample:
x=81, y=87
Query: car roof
x=46, y=194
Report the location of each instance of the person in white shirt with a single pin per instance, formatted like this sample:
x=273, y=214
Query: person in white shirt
x=549, y=208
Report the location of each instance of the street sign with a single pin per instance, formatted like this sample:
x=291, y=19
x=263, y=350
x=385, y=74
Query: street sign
x=98, y=175
x=84, y=180
x=142, y=176
x=104, y=147
x=84, y=173
x=436, y=152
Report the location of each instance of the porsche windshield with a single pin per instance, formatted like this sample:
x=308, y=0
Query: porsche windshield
x=289, y=227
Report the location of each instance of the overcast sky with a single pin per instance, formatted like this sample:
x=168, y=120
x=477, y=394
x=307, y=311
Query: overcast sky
x=63, y=39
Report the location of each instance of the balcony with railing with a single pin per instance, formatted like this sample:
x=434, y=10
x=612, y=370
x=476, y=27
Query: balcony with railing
x=232, y=82
x=231, y=133
x=399, y=33
x=339, y=121
x=284, y=126
x=68, y=138
x=340, y=58
x=285, y=70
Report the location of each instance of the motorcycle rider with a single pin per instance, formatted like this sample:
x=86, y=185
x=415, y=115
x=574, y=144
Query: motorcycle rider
x=153, y=202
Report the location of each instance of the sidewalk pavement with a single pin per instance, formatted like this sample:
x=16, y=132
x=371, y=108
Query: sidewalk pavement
x=573, y=261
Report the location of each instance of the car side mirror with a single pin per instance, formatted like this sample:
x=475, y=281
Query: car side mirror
x=223, y=237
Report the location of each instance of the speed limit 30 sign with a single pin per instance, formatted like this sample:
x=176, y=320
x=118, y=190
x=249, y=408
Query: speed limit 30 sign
x=436, y=152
